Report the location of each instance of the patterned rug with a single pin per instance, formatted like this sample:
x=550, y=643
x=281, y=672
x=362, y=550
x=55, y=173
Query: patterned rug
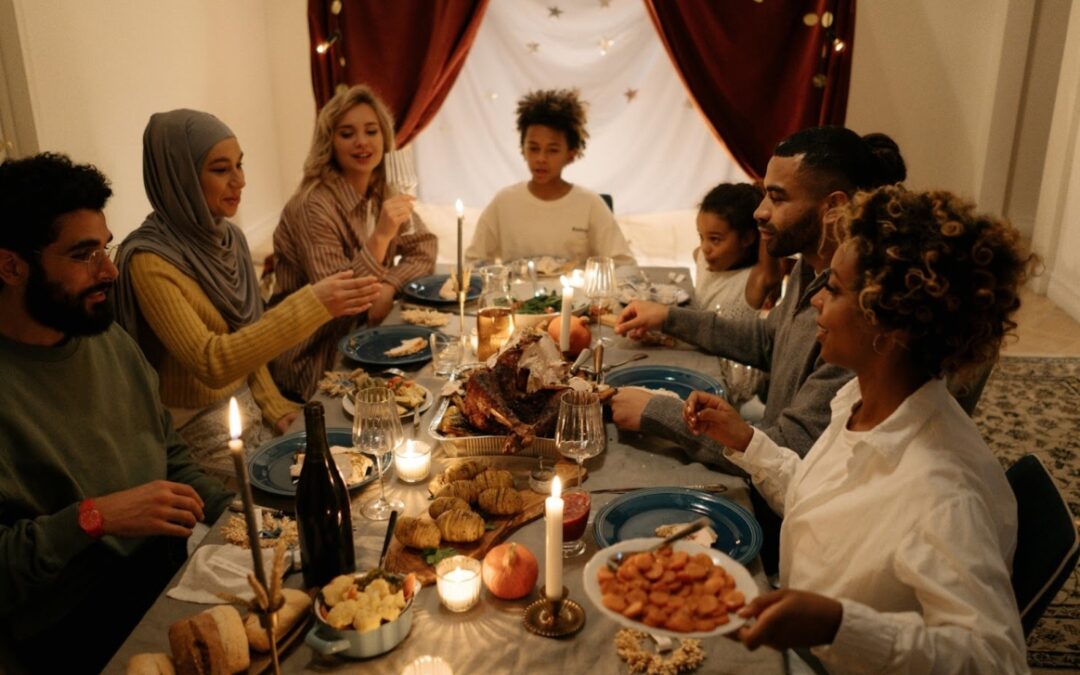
x=1032, y=405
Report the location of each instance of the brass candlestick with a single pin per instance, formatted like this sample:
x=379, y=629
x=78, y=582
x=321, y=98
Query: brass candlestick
x=554, y=618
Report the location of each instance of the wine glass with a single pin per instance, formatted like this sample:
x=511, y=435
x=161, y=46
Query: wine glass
x=599, y=289
x=377, y=432
x=579, y=434
x=400, y=173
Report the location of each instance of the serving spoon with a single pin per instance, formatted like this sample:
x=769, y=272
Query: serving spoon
x=617, y=559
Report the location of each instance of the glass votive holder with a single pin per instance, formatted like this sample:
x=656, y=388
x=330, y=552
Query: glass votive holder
x=428, y=665
x=458, y=582
x=412, y=461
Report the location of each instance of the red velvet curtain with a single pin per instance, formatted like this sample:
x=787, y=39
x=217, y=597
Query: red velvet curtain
x=760, y=71
x=409, y=51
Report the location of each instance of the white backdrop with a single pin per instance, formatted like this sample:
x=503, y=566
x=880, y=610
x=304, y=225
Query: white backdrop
x=651, y=152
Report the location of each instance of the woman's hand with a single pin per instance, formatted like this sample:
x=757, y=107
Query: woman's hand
x=396, y=211
x=380, y=308
x=159, y=507
x=344, y=295
x=640, y=317
x=282, y=425
x=711, y=415
x=787, y=619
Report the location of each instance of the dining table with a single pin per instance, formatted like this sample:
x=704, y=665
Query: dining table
x=491, y=637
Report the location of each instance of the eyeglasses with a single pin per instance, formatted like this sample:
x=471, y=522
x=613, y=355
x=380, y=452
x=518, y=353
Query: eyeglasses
x=95, y=259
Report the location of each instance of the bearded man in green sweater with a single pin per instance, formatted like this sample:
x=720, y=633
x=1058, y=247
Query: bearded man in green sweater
x=97, y=492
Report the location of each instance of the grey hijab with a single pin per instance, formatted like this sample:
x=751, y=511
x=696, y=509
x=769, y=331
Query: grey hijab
x=212, y=251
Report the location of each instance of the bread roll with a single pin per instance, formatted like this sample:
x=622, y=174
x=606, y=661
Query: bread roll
x=417, y=533
x=460, y=526
x=297, y=605
x=494, y=478
x=501, y=501
x=197, y=646
x=233, y=638
x=463, y=470
x=444, y=504
x=462, y=489
x=150, y=664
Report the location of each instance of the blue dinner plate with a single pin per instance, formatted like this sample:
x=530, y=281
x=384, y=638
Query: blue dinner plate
x=426, y=289
x=639, y=513
x=672, y=378
x=268, y=468
x=370, y=345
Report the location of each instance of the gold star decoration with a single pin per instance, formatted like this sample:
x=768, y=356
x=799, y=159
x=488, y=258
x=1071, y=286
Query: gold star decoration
x=630, y=93
x=533, y=47
x=554, y=12
x=493, y=95
x=605, y=45
x=605, y=3
x=688, y=104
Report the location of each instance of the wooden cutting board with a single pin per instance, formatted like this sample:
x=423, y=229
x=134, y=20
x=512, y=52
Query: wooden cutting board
x=405, y=560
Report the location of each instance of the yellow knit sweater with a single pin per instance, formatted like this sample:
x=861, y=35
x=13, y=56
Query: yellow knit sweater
x=198, y=360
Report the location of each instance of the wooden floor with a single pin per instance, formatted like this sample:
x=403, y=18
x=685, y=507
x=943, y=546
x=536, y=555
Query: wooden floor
x=1043, y=329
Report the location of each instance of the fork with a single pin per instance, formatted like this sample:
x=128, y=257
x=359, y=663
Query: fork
x=616, y=559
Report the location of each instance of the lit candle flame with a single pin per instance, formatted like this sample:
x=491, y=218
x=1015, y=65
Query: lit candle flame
x=234, y=419
x=556, y=487
x=459, y=206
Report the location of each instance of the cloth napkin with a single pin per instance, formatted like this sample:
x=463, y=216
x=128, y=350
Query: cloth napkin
x=220, y=568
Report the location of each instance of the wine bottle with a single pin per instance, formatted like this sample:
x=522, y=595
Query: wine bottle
x=323, y=517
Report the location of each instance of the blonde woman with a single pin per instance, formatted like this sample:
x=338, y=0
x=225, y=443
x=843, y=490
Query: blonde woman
x=342, y=218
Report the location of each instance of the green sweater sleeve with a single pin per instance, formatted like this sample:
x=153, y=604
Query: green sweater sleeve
x=35, y=551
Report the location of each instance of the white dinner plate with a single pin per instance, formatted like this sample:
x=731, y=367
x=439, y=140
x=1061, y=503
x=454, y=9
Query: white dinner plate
x=744, y=582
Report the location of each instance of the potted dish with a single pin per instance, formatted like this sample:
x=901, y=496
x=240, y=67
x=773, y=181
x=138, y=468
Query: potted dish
x=327, y=638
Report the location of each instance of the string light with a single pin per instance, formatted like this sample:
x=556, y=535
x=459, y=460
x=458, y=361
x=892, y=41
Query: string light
x=325, y=45
x=839, y=45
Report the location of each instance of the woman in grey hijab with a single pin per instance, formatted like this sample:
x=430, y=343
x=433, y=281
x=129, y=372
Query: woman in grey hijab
x=188, y=291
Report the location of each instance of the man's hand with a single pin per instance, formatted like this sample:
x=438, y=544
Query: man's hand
x=345, y=295
x=627, y=406
x=787, y=619
x=639, y=317
x=154, y=508
x=382, y=305
x=711, y=415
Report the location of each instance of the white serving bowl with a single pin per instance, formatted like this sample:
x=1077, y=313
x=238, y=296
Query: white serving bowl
x=744, y=582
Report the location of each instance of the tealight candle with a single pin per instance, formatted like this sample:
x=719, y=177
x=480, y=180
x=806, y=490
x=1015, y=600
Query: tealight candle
x=553, y=553
x=412, y=461
x=458, y=582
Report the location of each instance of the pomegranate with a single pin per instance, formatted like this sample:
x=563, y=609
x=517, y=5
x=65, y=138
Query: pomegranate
x=510, y=571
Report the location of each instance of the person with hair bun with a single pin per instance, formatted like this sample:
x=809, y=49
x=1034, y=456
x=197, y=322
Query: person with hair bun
x=344, y=217
x=546, y=215
x=921, y=287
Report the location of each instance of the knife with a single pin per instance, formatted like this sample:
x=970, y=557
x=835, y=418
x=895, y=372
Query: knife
x=580, y=361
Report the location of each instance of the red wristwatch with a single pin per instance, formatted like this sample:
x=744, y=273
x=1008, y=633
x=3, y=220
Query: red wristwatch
x=90, y=519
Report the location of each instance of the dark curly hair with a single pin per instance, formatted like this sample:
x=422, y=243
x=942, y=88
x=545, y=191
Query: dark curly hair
x=36, y=191
x=736, y=203
x=560, y=109
x=929, y=265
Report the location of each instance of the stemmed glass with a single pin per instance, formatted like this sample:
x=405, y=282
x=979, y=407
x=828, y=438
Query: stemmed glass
x=400, y=172
x=599, y=289
x=377, y=432
x=579, y=434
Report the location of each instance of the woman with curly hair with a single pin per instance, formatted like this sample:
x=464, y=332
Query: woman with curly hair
x=546, y=215
x=899, y=525
x=343, y=218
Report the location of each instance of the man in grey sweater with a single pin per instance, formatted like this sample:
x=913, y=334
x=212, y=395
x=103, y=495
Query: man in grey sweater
x=811, y=173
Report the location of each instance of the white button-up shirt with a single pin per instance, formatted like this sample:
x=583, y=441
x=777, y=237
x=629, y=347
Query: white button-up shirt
x=911, y=525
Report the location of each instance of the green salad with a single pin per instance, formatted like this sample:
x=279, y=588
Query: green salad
x=542, y=304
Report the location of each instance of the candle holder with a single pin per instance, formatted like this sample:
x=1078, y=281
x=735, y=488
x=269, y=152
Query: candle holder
x=412, y=461
x=554, y=618
x=458, y=582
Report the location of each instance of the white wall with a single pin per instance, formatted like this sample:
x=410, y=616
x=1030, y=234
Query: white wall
x=98, y=69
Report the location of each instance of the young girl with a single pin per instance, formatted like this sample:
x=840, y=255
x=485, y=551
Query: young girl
x=728, y=250
x=547, y=215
